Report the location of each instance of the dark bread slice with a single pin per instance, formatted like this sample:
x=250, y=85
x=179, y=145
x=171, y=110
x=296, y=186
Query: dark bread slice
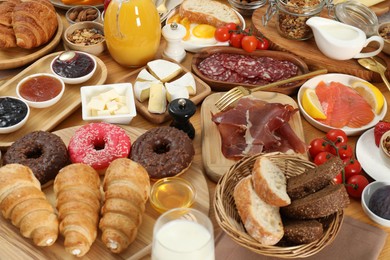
x=314, y=179
x=302, y=231
x=319, y=204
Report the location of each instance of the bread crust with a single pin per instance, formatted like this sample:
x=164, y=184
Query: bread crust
x=302, y=231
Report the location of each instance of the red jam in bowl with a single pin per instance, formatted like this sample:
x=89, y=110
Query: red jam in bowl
x=12, y=111
x=40, y=88
x=73, y=65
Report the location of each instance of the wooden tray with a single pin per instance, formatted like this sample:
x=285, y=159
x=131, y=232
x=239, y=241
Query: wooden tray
x=11, y=58
x=47, y=118
x=13, y=245
x=309, y=52
x=214, y=162
x=202, y=91
x=224, y=86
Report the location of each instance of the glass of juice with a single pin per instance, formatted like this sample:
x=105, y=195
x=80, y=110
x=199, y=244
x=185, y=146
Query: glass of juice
x=183, y=233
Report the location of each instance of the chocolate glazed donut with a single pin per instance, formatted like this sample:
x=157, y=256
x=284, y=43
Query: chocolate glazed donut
x=163, y=151
x=43, y=152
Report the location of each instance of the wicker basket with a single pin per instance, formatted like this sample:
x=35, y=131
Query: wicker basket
x=230, y=221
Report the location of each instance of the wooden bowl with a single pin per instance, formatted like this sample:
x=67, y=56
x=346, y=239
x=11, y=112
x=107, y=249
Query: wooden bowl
x=229, y=220
x=216, y=85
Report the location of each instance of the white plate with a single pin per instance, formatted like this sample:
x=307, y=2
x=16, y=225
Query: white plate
x=368, y=155
x=346, y=80
x=61, y=5
x=197, y=47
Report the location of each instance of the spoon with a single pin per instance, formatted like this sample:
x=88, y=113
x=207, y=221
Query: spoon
x=375, y=66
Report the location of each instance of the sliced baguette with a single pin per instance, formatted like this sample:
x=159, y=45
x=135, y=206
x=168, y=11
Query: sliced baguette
x=261, y=220
x=269, y=182
x=208, y=12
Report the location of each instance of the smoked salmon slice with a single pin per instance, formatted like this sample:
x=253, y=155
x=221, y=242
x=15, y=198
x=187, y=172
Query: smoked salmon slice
x=343, y=106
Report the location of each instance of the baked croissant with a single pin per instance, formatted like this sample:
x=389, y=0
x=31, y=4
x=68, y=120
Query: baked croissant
x=23, y=202
x=126, y=188
x=77, y=191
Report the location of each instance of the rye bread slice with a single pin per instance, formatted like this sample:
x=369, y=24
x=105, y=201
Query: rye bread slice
x=314, y=179
x=319, y=204
x=302, y=231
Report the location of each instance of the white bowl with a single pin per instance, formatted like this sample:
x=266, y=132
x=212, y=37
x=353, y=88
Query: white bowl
x=77, y=80
x=366, y=195
x=41, y=104
x=123, y=89
x=346, y=80
x=17, y=126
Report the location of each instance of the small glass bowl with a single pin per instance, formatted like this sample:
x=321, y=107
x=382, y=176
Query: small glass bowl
x=246, y=7
x=172, y=192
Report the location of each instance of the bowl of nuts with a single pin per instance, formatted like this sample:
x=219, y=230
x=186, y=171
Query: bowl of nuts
x=82, y=14
x=384, y=32
x=85, y=36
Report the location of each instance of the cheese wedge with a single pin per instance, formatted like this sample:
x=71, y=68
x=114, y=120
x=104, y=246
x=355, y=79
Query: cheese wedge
x=157, y=99
x=187, y=81
x=164, y=70
x=144, y=75
x=175, y=91
x=141, y=90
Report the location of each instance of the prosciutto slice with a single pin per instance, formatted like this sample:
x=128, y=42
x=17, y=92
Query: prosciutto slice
x=256, y=126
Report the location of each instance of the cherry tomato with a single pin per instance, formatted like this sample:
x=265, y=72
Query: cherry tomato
x=352, y=167
x=249, y=43
x=343, y=150
x=235, y=39
x=105, y=4
x=222, y=34
x=355, y=185
x=231, y=26
x=262, y=44
x=322, y=157
x=318, y=145
x=337, y=136
x=338, y=179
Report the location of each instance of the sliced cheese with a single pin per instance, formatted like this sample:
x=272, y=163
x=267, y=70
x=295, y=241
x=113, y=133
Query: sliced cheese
x=141, y=90
x=109, y=95
x=157, y=99
x=187, y=81
x=144, y=75
x=96, y=103
x=164, y=70
x=176, y=91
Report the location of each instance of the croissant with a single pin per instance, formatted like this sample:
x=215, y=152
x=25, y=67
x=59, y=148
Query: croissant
x=77, y=191
x=126, y=188
x=23, y=202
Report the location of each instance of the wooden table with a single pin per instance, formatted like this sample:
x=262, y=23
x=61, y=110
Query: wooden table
x=115, y=71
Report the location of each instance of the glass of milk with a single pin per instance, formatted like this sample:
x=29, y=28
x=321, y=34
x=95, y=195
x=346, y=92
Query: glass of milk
x=183, y=233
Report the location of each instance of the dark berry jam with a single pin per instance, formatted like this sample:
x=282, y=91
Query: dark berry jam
x=12, y=111
x=77, y=65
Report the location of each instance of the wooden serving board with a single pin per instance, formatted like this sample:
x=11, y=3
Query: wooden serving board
x=309, y=52
x=47, y=118
x=14, y=246
x=214, y=162
x=16, y=57
x=202, y=91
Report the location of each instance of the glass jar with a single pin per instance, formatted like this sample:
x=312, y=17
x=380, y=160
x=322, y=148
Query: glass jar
x=291, y=17
x=246, y=7
x=132, y=30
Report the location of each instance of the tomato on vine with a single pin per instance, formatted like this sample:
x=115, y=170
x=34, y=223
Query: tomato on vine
x=355, y=185
x=322, y=157
x=231, y=26
x=337, y=136
x=352, y=167
x=262, y=44
x=235, y=39
x=318, y=145
x=222, y=34
x=249, y=43
x=342, y=150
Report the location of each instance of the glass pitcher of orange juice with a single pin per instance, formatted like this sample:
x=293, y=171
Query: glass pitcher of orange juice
x=132, y=30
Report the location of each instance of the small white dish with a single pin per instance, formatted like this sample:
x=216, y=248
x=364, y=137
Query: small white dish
x=17, y=126
x=74, y=80
x=123, y=89
x=45, y=103
x=346, y=80
x=368, y=154
x=366, y=195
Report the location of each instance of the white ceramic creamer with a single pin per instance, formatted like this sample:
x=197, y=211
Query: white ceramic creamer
x=341, y=41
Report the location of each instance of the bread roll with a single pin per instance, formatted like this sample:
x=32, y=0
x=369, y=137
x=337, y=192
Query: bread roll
x=23, y=202
x=126, y=185
x=77, y=191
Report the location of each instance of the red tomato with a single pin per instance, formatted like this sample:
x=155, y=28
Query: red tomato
x=318, y=145
x=343, y=150
x=322, y=157
x=352, y=167
x=249, y=43
x=337, y=136
x=235, y=39
x=338, y=179
x=231, y=26
x=262, y=44
x=355, y=185
x=222, y=34
x=105, y=3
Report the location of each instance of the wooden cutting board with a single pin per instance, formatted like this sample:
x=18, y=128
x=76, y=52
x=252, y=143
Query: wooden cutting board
x=214, y=162
x=14, y=246
x=309, y=52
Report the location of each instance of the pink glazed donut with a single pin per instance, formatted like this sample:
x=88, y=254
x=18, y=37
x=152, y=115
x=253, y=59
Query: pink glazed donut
x=98, y=144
